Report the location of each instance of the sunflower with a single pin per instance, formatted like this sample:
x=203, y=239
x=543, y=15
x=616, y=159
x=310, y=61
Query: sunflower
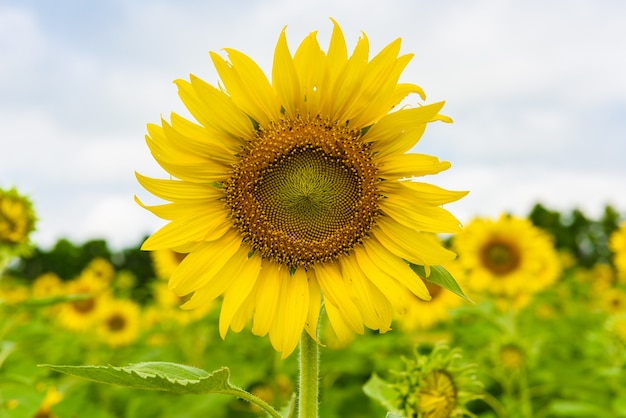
x=101, y=268
x=298, y=187
x=617, y=245
x=437, y=385
x=118, y=322
x=17, y=221
x=508, y=257
x=80, y=315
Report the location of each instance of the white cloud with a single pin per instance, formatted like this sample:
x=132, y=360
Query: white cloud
x=536, y=91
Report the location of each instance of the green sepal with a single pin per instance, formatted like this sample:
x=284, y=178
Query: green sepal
x=441, y=277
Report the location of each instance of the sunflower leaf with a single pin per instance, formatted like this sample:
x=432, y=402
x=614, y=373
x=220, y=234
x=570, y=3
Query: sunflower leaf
x=383, y=392
x=441, y=277
x=170, y=377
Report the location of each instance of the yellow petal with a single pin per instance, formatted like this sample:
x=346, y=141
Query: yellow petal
x=399, y=131
x=396, y=294
x=315, y=300
x=334, y=289
x=200, y=266
x=207, y=226
x=285, y=79
x=268, y=287
x=424, y=192
x=238, y=292
x=248, y=86
x=397, y=166
x=409, y=244
x=222, y=280
x=312, y=67
x=174, y=190
x=341, y=329
x=397, y=268
x=221, y=114
x=374, y=307
x=411, y=212
x=348, y=82
x=293, y=306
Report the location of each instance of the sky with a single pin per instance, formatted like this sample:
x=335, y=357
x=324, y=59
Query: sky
x=537, y=91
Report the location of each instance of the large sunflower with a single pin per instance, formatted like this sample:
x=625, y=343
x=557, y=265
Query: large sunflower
x=288, y=190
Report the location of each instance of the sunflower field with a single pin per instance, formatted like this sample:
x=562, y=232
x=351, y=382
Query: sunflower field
x=544, y=334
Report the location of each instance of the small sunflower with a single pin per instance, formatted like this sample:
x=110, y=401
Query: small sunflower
x=617, y=245
x=80, y=315
x=17, y=221
x=47, y=284
x=437, y=385
x=300, y=186
x=101, y=268
x=118, y=322
x=507, y=257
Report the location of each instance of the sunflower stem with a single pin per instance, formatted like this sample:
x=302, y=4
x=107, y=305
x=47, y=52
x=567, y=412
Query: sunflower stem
x=308, y=384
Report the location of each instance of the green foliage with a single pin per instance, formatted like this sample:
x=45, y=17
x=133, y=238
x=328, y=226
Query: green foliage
x=441, y=277
x=585, y=238
x=571, y=362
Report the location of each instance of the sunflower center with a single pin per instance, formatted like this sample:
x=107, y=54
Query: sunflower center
x=116, y=323
x=304, y=191
x=500, y=257
x=437, y=397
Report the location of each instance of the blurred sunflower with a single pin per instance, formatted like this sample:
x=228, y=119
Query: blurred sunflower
x=119, y=322
x=101, y=269
x=79, y=315
x=617, y=245
x=17, y=221
x=47, y=284
x=298, y=187
x=507, y=257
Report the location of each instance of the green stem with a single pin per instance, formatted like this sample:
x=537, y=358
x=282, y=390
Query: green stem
x=308, y=384
x=255, y=400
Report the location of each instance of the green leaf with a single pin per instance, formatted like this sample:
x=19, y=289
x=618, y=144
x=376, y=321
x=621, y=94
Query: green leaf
x=53, y=300
x=170, y=377
x=165, y=376
x=441, y=277
x=381, y=391
x=392, y=415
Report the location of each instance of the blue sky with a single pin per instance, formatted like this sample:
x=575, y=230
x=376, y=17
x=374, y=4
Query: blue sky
x=537, y=91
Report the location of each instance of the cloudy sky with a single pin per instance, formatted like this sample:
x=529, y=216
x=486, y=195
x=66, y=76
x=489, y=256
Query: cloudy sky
x=537, y=91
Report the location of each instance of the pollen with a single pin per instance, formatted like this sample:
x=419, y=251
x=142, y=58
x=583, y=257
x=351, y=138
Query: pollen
x=304, y=191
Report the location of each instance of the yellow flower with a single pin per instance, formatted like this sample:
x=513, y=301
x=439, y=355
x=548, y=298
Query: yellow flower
x=101, y=268
x=617, y=245
x=80, y=315
x=17, y=221
x=298, y=187
x=119, y=322
x=47, y=284
x=438, y=385
x=507, y=257
x=17, y=218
